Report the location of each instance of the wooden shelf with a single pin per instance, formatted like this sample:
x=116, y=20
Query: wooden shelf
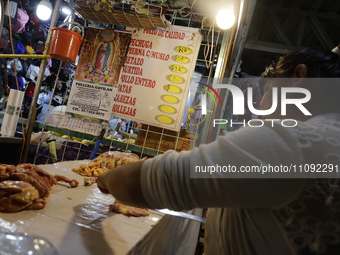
x=116, y=16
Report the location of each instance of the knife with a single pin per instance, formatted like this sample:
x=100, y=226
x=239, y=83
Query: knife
x=181, y=214
x=102, y=133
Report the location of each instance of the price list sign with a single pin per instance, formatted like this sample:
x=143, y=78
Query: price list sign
x=154, y=82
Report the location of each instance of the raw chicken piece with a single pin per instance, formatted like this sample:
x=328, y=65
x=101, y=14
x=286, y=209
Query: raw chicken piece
x=18, y=195
x=26, y=187
x=60, y=178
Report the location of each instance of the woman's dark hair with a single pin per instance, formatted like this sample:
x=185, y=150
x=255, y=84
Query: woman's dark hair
x=319, y=63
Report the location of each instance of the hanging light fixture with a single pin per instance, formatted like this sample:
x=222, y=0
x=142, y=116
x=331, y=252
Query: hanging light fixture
x=44, y=10
x=225, y=17
x=66, y=10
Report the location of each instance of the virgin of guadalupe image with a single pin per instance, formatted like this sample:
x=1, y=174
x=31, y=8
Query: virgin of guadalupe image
x=102, y=56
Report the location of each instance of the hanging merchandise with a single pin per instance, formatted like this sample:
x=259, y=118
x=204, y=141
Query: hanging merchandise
x=4, y=39
x=49, y=63
x=38, y=40
x=13, y=73
x=19, y=48
x=29, y=91
x=13, y=11
x=24, y=66
x=13, y=84
x=29, y=49
x=33, y=72
x=22, y=19
x=154, y=82
x=4, y=89
x=19, y=16
x=18, y=66
x=25, y=4
x=33, y=22
x=94, y=85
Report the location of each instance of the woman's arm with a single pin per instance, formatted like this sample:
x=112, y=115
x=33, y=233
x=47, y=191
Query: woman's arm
x=167, y=182
x=124, y=184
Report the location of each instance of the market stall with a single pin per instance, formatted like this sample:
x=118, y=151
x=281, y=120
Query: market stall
x=53, y=82
x=133, y=87
x=84, y=80
x=126, y=53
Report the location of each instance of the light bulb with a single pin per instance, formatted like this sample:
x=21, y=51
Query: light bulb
x=66, y=10
x=225, y=18
x=44, y=10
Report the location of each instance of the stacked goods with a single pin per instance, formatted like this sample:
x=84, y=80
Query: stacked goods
x=126, y=140
x=154, y=139
x=26, y=187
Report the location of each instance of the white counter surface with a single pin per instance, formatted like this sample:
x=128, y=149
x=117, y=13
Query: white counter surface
x=77, y=220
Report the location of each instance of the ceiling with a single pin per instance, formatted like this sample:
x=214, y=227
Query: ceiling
x=278, y=27
x=283, y=26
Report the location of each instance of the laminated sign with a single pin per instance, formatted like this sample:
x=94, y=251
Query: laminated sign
x=154, y=82
x=91, y=100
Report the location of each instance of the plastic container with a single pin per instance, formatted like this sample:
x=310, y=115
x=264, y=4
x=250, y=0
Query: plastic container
x=65, y=43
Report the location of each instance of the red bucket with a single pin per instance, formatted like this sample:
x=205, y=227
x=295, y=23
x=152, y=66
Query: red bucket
x=65, y=44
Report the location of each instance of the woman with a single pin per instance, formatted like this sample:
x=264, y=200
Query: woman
x=256, y=216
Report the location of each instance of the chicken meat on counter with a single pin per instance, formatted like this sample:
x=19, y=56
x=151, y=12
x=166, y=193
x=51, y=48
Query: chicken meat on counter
x=26, y=187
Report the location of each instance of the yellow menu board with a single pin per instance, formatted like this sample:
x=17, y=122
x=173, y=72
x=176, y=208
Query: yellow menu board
x=154, y=82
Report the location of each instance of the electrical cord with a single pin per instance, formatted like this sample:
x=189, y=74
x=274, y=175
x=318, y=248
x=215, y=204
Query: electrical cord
x=194, y=17
x=202, y=23
x=207, y=47
x=197, y=19
x=190, y=7
x=16, y=80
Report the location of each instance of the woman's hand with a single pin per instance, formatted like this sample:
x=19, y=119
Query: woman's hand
x=124, y=183
x=101, y=184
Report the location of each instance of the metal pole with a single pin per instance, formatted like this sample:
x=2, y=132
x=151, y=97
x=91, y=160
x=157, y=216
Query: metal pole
x=24, y=56
x=2, y=16
x=219, y=73
x=32, y=112
x=241, y=39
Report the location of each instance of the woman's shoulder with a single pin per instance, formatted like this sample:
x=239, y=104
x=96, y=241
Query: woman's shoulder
x=319, y=138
